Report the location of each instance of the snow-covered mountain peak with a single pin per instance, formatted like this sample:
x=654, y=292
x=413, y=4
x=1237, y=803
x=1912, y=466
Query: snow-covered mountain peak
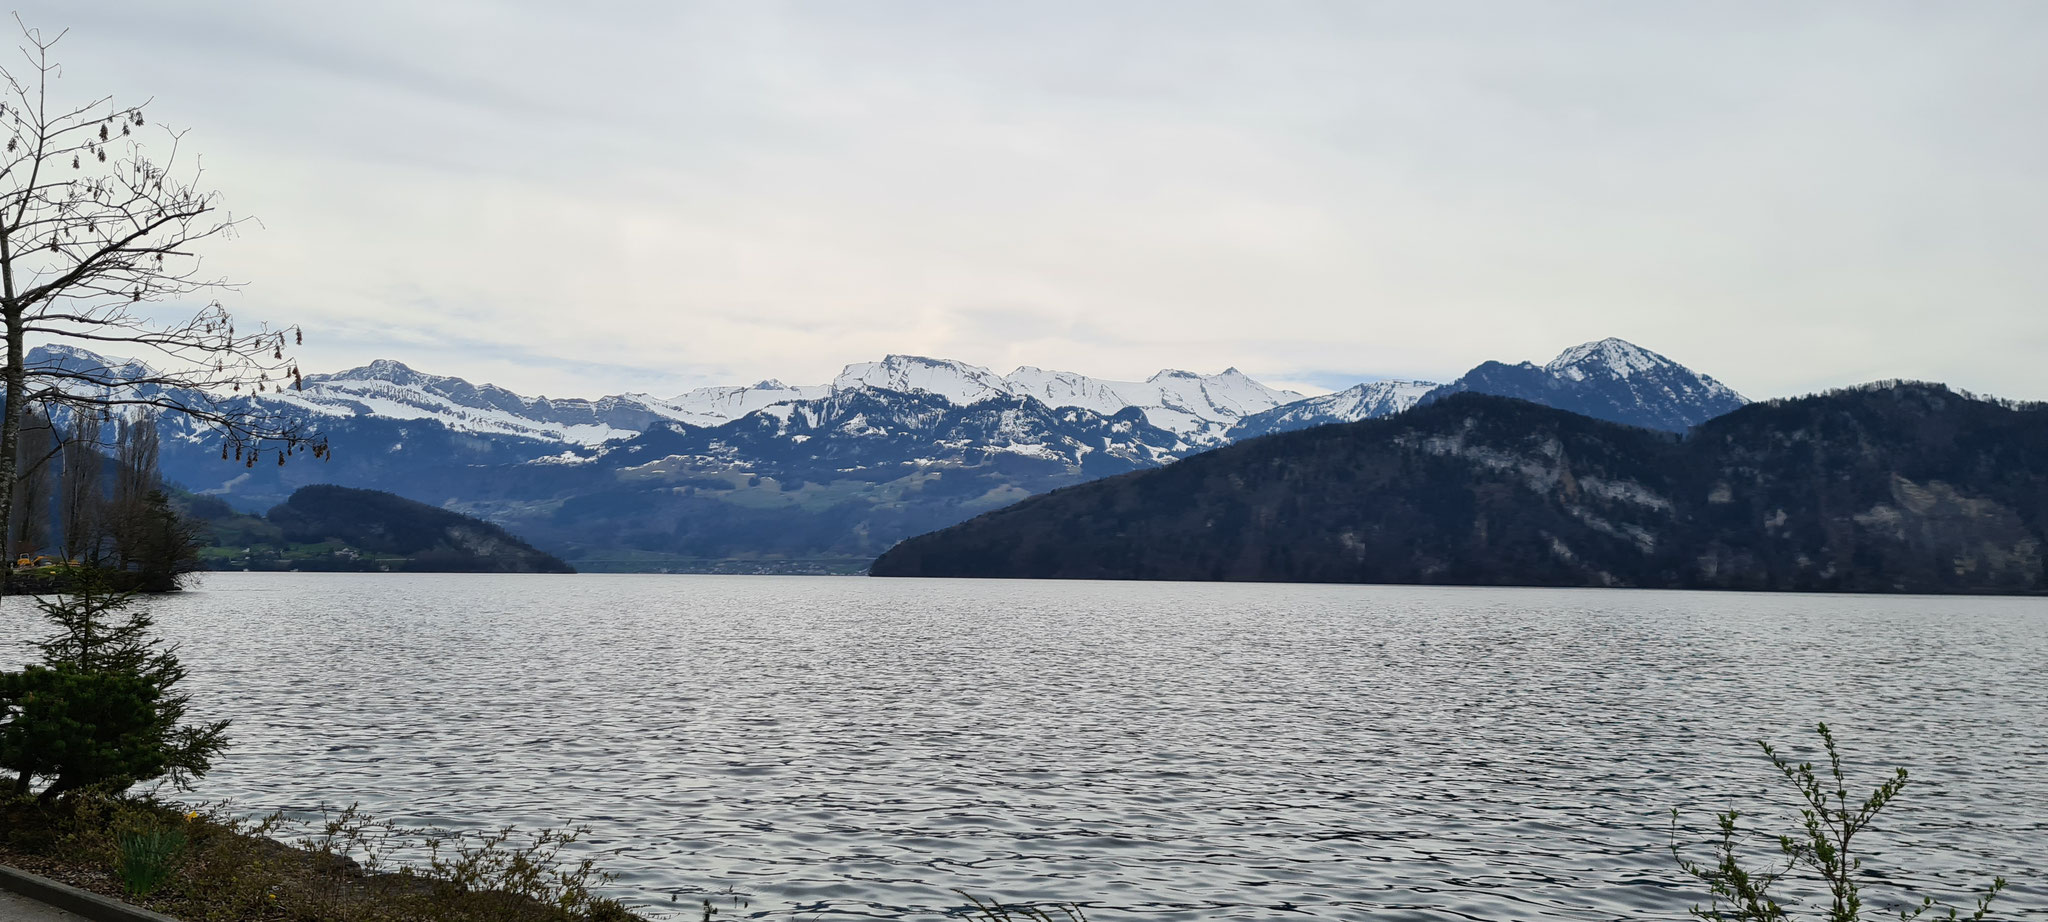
x=56, y=356
x=1403, y=392
x=1611, y=379
x=958, y=382
x=1621, y=360
x=714, y=406
x=388, y=370
x=61, y=352
x=1617, y=358
x=1199, y=408
x=1370, y=400
x=85, y=373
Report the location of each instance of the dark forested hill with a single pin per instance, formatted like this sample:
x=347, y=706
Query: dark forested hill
x=326, y=527
x=1901, y=487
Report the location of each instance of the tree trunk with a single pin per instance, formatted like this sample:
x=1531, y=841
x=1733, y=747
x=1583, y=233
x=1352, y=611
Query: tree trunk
x=55, y=790
x=15, y=378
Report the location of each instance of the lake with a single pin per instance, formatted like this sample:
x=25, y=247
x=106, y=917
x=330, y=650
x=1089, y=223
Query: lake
x=846, y=747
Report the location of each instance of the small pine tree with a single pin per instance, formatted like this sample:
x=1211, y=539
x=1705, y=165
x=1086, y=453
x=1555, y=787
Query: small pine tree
x=101, y=710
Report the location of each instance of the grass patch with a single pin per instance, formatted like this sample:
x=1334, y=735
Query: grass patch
x=208, y=865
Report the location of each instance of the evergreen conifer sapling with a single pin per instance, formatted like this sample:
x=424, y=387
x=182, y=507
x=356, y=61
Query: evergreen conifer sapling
x=102, y=709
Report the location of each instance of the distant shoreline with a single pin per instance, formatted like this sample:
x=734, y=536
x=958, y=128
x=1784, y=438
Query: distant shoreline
x=1194, y=582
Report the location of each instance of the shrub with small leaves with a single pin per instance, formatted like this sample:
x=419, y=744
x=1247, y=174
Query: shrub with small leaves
x=1829, y=822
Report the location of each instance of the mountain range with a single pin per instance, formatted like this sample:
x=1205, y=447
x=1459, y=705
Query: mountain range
x=1198, y=408
x=804, y=478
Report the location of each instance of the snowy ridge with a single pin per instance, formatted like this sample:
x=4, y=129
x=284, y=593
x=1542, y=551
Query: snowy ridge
x=79, y=371
x=1662, y=378
x=60, y=357
x=870, y=429
x=1198, y=408
x=958, y=382
x=1371, y=400
x=1618, y=358
x=712, y=406
x=389, y=401
x=1608, y=379
x=390, y=390
x=906, y=399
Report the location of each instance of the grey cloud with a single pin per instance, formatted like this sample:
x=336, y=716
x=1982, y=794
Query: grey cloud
x=1785, y=195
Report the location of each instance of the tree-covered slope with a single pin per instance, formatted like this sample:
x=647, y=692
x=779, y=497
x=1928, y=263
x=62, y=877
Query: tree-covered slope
x=1906, y=487
x=327, y=527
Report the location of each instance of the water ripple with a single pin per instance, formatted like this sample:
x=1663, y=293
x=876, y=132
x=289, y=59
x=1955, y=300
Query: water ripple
x=848, y=748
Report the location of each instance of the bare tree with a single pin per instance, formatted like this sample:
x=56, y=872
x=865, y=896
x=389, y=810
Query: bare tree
x=79, y=499
x=126, y=513
x=102, y=215
x=30, y=533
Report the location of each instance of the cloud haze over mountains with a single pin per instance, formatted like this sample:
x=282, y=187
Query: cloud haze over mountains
x=587, y=198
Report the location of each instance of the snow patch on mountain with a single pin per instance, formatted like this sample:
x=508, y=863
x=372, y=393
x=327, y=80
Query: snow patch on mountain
x=1609, y=379
x=958, y=382
x=711, y=406
x=1618, y=359
x=390, y=390
x=1199, y=408
x=1369, y=400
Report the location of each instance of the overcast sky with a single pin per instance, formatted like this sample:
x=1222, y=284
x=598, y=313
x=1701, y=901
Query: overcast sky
x=586, y=198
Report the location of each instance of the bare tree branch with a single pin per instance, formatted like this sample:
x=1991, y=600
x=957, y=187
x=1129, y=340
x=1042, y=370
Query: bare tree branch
x=102, y=220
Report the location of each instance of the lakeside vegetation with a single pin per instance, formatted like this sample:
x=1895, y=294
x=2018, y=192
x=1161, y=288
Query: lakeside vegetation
x=101, y=713
x=1820, y=849
x=207, y=864
x=332, y=528
x=91, y=506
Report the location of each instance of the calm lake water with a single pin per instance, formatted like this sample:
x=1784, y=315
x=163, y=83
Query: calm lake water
x=846, y=747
